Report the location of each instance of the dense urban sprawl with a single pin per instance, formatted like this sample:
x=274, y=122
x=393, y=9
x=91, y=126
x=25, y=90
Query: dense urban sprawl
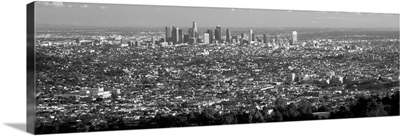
x=151, y=78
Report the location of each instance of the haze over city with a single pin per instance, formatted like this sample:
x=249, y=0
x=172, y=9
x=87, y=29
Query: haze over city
x=82, y=14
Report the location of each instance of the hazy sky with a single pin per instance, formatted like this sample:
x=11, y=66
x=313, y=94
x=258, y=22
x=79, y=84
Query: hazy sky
x=159, y=16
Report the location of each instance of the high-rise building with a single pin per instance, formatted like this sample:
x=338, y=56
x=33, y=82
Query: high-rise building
x=185, y=38
x=218, y=31
x=206, y=38
x=190, y=32
x=78, y=41
x=251, y=36
x=180, y=33
x=175, y=35
x=228, y=36
x=242, y=38
x=265, y=38
x=211, y=34
x=294, y=40
x=138, y=43
x=168, y=33
x=153, y=41
x=195, y=33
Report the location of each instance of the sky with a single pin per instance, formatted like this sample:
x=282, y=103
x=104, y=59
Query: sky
x=85, y=14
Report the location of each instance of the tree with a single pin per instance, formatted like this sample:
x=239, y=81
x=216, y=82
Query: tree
x=375, y=109
x=280, y=102
x=277, y=116
x=323, y=108
x=258, y=117
x=359, y=109
x=290, y=112
x=343, y=112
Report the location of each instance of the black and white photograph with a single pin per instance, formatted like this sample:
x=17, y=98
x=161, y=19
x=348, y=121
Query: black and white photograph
x=95, y=67
x=102, y=67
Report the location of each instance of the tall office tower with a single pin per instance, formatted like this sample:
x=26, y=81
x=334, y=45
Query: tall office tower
x=77, y=41
x=180, y=33
x=168, y=34
x=211, y=34
x=251, y=36
x=175, y=35
x=190, y=32
x=185, y=38
x=138, y=43
x=254, y=37
x=294, y=40
x=242, y=38
x=218, y=31
x=196, y=35
x=228, y=36
x=153, y=41
x=265, y=38
x=206, y=38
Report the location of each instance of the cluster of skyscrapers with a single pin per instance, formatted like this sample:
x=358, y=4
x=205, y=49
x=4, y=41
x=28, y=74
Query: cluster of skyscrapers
x=174, y=35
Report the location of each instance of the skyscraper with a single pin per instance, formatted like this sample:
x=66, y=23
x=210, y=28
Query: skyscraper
x=168, y=34
x=138, y=43
x=294, y=40
x=185, y=38
x=228, y=36
x=195, y=35
x=211, y=34
x=206, y=38
x=175, y=35
x=180, y=33
x=265, y=38
x=251, y=36
x=153, y=41
x=242, y=38
x=192, y=34
x=218, y=31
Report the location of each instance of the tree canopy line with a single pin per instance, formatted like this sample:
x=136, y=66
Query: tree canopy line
x=361, y=106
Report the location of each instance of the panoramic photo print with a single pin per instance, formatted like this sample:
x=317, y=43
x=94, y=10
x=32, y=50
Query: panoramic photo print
x=101, y=67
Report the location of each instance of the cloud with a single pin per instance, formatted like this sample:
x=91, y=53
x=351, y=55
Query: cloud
x=103, y=7
x=54, y=4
